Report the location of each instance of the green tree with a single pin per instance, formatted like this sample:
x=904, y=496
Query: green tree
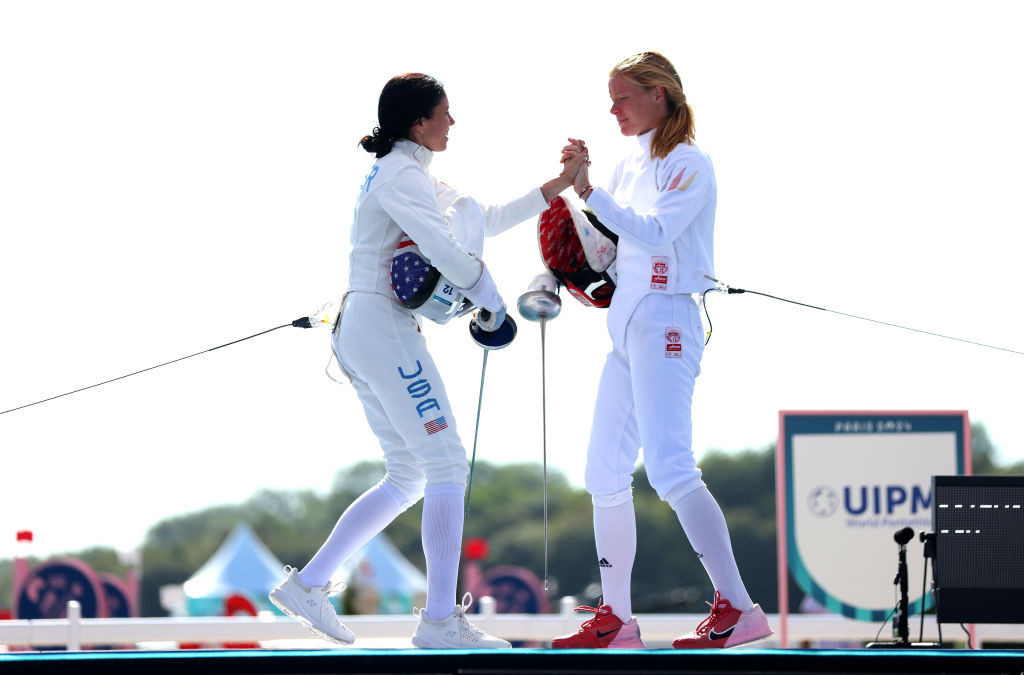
x=506, y=508
x=985, y=456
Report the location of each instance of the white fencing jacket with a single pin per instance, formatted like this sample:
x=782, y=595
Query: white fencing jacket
x=399, y=197
x=664, y=213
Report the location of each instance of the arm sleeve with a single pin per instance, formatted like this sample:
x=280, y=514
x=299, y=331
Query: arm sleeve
x=497, y=219
x=410, y=201
x=689, y=183
x=613, y=184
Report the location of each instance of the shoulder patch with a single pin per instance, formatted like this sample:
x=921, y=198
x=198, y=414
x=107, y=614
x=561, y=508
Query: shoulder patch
x=675, y=185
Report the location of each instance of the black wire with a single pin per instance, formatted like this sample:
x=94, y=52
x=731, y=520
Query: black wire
x=885, y=622
x=297, y=323
x=884, y=323
x=969, y=645
x=704, y=303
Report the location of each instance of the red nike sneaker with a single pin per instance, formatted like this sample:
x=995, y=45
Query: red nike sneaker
x=726, y=627
x=603, y=631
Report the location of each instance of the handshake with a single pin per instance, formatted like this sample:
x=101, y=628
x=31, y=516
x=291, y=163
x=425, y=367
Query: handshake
x=484, y=294
x=576, y=161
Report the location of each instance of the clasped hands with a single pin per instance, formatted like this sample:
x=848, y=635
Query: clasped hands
x=576, y=159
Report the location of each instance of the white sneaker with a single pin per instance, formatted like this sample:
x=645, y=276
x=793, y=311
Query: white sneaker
x=455, y=632
x=309, y=604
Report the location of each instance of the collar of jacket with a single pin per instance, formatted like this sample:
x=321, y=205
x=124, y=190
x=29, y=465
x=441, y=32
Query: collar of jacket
x=645, y=139
x=414, y=150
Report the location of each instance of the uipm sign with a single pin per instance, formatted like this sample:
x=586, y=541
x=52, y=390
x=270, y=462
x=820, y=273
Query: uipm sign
x=845, y=483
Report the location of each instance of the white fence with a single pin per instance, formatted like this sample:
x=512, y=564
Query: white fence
x=394, y=631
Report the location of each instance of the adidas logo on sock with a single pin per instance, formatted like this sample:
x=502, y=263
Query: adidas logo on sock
x=603, y=562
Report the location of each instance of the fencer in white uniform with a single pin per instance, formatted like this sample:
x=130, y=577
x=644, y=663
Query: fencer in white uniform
x=379, y=345
x=664, y=248
x=661, y=203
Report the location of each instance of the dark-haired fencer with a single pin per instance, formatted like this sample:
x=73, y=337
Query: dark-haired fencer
x=380, y=347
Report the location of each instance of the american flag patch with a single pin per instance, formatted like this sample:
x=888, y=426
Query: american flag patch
x=433, y=426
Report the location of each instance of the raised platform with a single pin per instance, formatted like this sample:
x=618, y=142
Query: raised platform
x=516, y=661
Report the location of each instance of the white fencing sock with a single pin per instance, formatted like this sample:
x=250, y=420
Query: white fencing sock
x=360, y=522
x=704, y=524
x=442, y=546
x=615, y=536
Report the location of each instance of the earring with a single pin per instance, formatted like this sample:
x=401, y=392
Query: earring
x=421, y=132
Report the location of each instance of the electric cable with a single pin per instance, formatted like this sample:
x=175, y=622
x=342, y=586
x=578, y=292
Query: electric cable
x=968, y=634
x=704, y=304
x=303, y=322
x=725, y=288
x=885, y=622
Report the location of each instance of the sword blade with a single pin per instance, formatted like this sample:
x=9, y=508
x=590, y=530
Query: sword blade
x=544, y=431
x=476, y=431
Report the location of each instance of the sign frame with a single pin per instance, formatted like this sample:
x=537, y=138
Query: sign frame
x=795, y=422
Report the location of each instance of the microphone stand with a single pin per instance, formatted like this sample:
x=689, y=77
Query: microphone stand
x=928, y=539
x=900, y=623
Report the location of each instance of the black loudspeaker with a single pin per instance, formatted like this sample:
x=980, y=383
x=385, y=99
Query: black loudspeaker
x=979, y=548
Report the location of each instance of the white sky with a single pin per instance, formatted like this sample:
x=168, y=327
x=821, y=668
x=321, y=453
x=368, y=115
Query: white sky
x=176, y=175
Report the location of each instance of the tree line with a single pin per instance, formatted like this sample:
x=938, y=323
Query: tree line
x=506, y=508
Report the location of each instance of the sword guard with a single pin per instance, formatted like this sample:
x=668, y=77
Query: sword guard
x=497, y=339
x=537, y=305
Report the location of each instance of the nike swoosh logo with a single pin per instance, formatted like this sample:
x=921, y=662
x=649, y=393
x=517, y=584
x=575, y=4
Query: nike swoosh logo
x=601, y=635
x=715, y=635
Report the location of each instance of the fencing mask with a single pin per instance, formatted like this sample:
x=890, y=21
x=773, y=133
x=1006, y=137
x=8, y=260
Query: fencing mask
x=420, y=286
x=579, y=251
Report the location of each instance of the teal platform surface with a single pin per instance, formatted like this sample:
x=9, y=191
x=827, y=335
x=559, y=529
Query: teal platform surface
x=261, y=661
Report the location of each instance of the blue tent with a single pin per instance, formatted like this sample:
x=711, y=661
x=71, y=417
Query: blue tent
x=242, y=565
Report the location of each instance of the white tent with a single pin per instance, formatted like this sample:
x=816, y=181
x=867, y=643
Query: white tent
x=242, y=565
x=380, y=580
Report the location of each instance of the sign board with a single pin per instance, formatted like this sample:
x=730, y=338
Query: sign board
x=120, y=602
x=46, y=591
x=846, y=482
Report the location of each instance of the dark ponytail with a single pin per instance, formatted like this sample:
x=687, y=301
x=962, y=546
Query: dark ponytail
x=378, y=142
x=405, y=100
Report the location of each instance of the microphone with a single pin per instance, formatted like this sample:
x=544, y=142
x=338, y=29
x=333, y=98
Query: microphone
x=904, y=536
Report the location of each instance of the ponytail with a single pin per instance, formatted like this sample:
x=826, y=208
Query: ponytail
x=378, y=142
x=677, y=128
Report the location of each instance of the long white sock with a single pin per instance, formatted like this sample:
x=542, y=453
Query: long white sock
x=704, y=524
x=615, y=536
x=442, y=546
x=360, y=522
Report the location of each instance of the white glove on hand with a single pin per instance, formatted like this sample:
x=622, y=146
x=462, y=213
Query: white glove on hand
x=490, y=321
x=484, y=295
